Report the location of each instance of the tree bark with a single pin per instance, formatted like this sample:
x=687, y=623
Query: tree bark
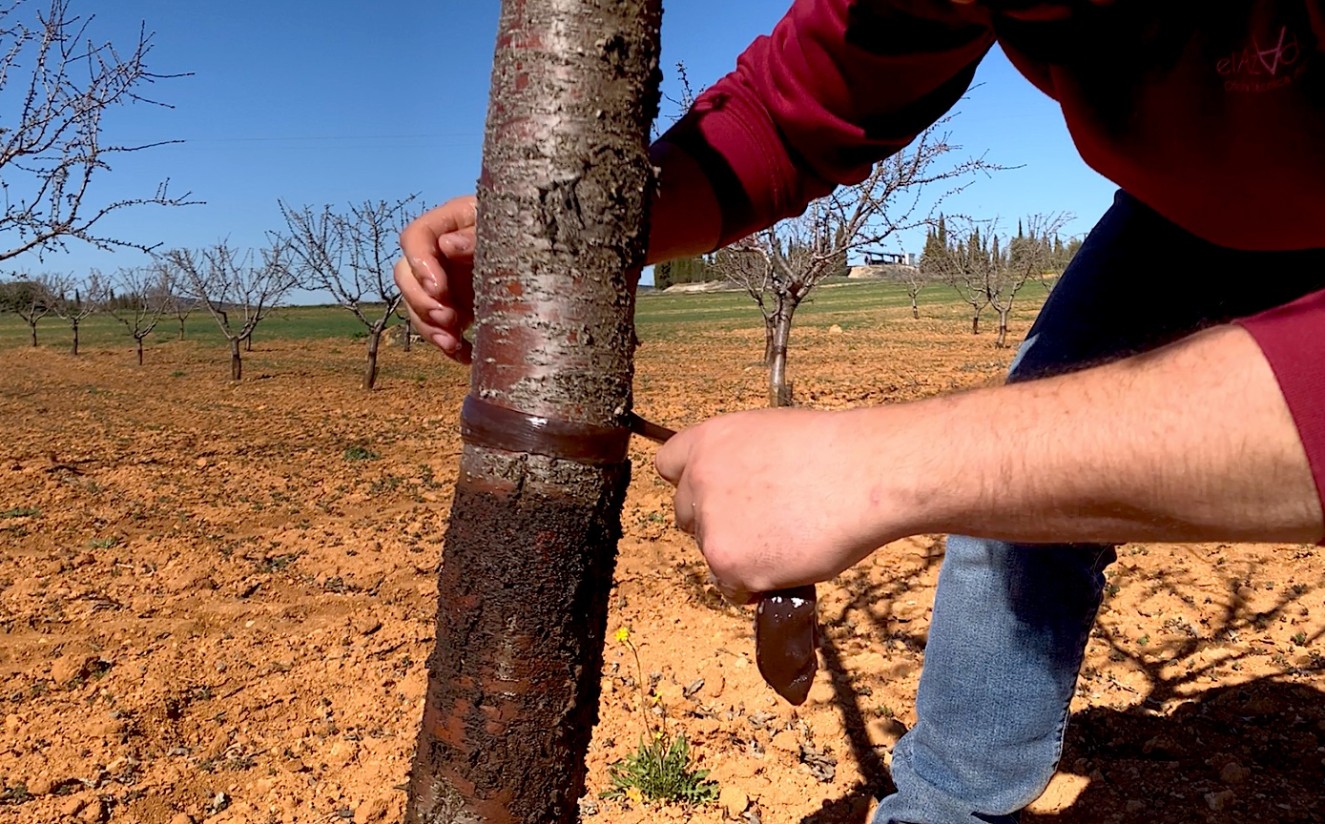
x=248, y=342
x=915, y=308
x=779, y=391
x=407, y=334
x=236, y=362
x=140, y=350
x=768, y=342
x=33, y=328
x=74, y=326
x=975, y=324
x=1002, y=329
x=181, y=328
x=531, y=544
x=370, y=371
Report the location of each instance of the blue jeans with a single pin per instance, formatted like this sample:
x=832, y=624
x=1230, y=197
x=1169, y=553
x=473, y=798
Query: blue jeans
x=1010, y=622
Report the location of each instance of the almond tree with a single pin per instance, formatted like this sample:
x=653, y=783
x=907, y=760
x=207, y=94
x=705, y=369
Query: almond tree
x=29, y=298
x=56, y=84
x=988, y=271
x=513, y=683
x=350, y=254
x=76, y=299
x=779, y=266
x=914, y=280
x=963, y=264
x=144, y=297
x=179, y=303
x=239, y=289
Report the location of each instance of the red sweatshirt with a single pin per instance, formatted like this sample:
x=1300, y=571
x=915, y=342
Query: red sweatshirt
x=1213, y=114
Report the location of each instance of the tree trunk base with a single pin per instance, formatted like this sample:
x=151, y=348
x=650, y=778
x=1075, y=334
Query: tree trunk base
x=515, y=677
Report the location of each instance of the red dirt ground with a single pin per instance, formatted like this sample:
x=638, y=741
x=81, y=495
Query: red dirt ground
x=216, y=601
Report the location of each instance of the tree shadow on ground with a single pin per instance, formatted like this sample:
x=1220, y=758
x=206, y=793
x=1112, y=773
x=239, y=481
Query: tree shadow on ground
x=1252, y=752
x=1235, y=755
x=879, y=609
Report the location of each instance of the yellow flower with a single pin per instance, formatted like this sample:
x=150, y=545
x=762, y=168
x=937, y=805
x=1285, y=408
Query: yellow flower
x=623, y=635
x=634, y=794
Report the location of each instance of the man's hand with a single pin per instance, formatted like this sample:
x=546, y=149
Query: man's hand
x=1191, y=442
x=775, y=498
x=437, y=273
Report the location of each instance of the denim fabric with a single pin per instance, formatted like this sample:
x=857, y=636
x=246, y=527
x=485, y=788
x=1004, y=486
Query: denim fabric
x=1010, y=622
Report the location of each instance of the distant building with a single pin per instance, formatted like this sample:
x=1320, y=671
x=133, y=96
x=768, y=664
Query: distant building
x=890, y=259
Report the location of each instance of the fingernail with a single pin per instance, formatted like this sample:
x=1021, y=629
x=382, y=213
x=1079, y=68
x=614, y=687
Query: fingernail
x=456, y=243
x=441, y=317
x=426, y=276
x=444, y=342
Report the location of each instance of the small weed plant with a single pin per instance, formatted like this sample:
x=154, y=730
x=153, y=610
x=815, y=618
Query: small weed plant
x=659, y=769
x=356, y=452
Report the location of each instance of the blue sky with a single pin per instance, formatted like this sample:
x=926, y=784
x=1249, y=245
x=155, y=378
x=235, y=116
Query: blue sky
x=338, y=101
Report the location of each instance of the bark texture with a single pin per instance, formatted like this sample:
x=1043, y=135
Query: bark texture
x=779, y=390
x=236, y=361
x=531, y=546
x=370, y=370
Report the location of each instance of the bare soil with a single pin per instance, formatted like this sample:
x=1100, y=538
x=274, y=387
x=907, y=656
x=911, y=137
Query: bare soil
x=216, y=601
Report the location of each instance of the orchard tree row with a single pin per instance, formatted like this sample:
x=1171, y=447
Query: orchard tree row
x=347, y=253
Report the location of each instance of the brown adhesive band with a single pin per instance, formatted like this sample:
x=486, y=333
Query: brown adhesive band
x=497, y=427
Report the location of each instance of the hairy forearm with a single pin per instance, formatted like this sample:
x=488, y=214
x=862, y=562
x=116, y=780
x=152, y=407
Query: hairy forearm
x=1191, y=442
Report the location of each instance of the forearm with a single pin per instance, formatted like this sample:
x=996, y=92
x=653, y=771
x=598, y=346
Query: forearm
x=1191, y=442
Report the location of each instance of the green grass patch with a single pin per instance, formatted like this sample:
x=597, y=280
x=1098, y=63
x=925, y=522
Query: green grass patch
x=660, y=315
x=103, y=331
x=660, y=770
x=357, y=452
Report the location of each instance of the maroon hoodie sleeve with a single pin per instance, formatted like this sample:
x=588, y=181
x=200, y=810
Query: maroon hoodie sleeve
x=837, y=86
x=1293, y=340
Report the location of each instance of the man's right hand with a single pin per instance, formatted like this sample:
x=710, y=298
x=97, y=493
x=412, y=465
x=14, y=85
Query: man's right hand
x=436, y=275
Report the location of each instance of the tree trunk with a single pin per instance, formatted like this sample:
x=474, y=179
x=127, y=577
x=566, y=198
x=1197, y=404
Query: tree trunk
x=407, y=334
x=370, y=372
x=181, y=328
x=74, y=326
x=236, y=363
x=768, y=342
x=975, y=324
x=248, y=342
x=531, y=543
x=33, y=327
x=915, y=308
x=779, y=390
x=1002, y=329
x=140, y=350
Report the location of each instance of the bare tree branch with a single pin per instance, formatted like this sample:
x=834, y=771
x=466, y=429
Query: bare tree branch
x=56, y=84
